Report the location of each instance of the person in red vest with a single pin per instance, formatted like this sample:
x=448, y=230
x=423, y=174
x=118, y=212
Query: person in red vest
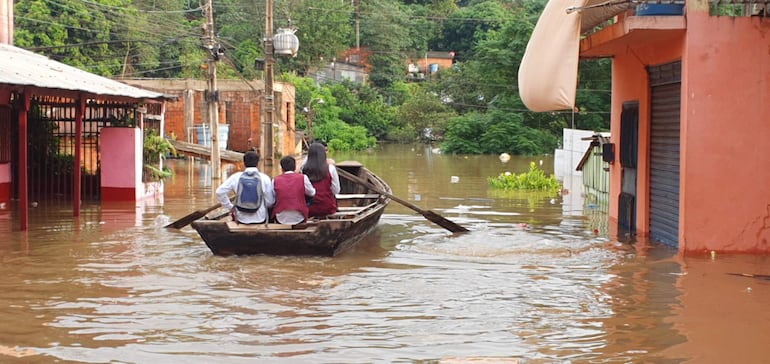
x=291, y=193
x=323, y=175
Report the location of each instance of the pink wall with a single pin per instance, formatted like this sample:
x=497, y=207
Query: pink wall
x=725, y=196
x=121, y=164
x=725, y=132
x=5, y=182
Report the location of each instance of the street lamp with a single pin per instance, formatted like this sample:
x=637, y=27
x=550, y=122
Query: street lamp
x=283, y=43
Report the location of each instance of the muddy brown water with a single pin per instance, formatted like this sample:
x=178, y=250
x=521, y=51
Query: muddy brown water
x=538, y=280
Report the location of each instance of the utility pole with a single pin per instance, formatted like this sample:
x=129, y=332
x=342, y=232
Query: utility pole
x=267, y=126
x=357, y=4
x=212, y=94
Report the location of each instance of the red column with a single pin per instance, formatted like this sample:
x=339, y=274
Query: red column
x=23, y=181
x=79, y=111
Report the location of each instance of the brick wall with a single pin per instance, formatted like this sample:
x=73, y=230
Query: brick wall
x=239, y=106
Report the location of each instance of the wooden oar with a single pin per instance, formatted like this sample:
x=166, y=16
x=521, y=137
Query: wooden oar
x=749, y=275
x=430, y=215
x=186, y=220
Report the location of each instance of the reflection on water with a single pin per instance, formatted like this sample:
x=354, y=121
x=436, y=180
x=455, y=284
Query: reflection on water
x=535, y=280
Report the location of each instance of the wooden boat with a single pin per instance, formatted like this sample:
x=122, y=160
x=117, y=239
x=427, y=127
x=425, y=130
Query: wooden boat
x=359, y=211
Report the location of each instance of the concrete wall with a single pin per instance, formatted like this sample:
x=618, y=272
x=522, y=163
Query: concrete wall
x=725, y=153
x=567, y=158
x=5, y=182
x=121, y=163
x=725, y=199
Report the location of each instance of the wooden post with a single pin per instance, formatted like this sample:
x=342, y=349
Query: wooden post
x=23, y=160
x=212, y=95
x=189, y=114
x=79, y=111
x=267, y=131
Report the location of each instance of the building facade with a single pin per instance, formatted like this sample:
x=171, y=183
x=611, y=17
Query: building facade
x=688, y=121
x=240, y=109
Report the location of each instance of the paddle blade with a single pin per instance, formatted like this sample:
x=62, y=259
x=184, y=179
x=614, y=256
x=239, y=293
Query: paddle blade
x=186, y=220
x=444, y=222
x=430, y=215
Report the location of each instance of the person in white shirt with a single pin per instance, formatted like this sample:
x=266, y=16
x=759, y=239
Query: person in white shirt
x=248, y=212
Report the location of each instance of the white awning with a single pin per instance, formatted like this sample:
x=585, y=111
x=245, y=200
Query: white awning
x=549, y=69
x=19, y=67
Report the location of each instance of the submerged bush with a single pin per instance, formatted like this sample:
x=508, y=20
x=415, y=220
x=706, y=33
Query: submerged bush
x=155, y=148
x=534, y=180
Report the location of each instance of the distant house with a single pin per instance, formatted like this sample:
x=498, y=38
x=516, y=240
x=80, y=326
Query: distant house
x=688, y=118
x=418, y=69
x=351, y=65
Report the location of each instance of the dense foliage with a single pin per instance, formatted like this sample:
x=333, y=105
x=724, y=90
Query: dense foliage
x=156, y=148
x=533, y=180
x=472, y=107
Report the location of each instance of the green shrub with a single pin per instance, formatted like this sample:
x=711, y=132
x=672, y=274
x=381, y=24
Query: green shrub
x=156, y=148
x=534, y=180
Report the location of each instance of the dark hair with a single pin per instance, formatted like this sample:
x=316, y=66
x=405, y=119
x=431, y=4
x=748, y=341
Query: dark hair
x=288, y=163
x=251, y=159
x=316, y=167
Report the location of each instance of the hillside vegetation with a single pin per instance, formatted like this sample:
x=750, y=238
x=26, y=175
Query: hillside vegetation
x=470, y=108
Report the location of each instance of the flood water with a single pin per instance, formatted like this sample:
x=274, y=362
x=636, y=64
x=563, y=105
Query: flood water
x=539, y=279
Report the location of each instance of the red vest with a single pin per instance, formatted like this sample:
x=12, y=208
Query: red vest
x=290, y=193
x=324, y=202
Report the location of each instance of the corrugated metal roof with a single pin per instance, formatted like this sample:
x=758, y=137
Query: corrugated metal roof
x=20, y=67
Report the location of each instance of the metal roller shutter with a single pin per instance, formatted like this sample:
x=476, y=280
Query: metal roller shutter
x=665, y=83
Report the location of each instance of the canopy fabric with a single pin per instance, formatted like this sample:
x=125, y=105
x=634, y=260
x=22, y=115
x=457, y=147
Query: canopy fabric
x=595, y=12
x=549, y=69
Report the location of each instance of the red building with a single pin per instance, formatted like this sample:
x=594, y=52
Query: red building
x=688, y=115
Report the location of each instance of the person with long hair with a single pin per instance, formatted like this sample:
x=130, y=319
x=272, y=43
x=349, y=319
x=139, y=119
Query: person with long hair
x=324, y=178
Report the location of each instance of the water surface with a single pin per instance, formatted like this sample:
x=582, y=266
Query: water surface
x=539, y=279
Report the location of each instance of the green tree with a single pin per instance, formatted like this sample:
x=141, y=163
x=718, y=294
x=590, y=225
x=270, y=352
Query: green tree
x=70, y=32
x=495, y=132
x=385, y=31
x=343, y=137
x=594, y=95
x=324, y=29
x=113, y=37
x=364, y=106
x=468, y=25
x=326, y=116
x=426, y=114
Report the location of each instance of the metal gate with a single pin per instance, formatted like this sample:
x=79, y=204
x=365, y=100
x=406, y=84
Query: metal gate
x=665, y=83
x=51, y=146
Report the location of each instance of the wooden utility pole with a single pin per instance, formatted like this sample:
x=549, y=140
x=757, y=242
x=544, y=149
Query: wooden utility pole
x=357, y=4
x=212, y=94
x=267, y=126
